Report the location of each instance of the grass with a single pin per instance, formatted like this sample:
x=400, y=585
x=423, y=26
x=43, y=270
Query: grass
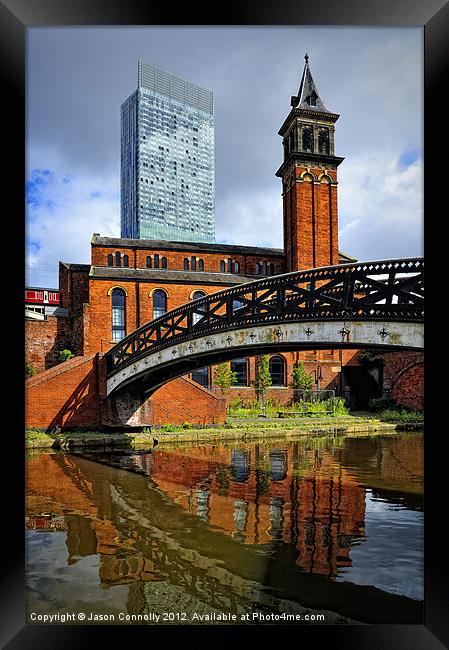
x=240, y=408
x=400, y=415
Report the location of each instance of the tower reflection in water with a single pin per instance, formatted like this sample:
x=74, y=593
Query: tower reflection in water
x=309, y=499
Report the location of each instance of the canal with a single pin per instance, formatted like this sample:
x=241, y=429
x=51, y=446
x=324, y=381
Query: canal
x=324, y=530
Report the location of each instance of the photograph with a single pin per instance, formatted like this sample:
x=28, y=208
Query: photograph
x=224, y=339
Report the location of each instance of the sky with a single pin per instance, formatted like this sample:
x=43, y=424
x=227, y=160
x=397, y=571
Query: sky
x=78, y=77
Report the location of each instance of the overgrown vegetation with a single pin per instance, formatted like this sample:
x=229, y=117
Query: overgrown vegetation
x=262, y=381
x=400, y=415
x=224, y=377
x=65, y=355
x=378, y=404
x=301, y=380
x=30, y=369
x=316, y=408
x=388, y=410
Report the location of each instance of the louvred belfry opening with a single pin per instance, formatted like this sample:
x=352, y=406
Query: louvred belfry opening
x=309, y=179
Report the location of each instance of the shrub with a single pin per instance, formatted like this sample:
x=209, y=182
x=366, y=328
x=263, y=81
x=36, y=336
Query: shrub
x=224, y=377
x=30, y=369
x=401, y=415
x=65, y=355
x=301, y=380
x=381, y=403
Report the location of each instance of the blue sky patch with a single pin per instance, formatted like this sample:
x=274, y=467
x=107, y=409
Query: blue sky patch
x=409, y=156
x=33, y=187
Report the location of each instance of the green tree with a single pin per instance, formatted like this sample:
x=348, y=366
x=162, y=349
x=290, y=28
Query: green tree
x=301, y=380
x=262, y=380
x=224, y=377
x=65, y=355
x=30, y=369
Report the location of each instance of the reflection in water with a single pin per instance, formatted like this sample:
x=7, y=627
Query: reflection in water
x=304, y=524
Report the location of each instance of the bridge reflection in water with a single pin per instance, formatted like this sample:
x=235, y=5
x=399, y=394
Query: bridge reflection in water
x=225, y=523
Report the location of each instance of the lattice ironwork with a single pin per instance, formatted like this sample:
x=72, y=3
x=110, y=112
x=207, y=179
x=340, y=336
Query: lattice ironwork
x=387, y=290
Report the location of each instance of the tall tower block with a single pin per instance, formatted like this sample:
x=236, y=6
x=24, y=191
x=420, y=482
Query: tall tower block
x=309, y=180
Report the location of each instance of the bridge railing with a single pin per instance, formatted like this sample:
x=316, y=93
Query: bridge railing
x=391, y=290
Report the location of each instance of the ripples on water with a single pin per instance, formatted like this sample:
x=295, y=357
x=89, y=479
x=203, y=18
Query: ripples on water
x=326, y=524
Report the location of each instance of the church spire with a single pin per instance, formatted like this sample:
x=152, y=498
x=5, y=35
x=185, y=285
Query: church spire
x=308, y=97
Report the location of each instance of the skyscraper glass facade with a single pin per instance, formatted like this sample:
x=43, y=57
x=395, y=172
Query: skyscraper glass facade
x=167, y=160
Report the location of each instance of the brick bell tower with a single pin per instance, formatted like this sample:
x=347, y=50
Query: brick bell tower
x=309, y=180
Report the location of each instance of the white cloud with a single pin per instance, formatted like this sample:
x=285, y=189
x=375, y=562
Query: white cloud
x=380, y=206
x=250, y=219
x=64, y=212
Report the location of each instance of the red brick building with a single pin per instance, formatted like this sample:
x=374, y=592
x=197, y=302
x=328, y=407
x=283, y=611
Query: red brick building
x=130, y=281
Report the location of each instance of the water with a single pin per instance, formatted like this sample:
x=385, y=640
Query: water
x=228, y=533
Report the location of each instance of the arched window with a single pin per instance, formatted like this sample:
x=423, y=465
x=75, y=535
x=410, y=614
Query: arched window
x=193, y=262
x=200, y=265
x=118, y=314
x=222, y=266
x=240, y=367
x=258, y=268
x=307, y=139
x=278, y=464
x=277, y=371
x=125, y=260
x=164, y=262
x=264, y=268
x=186, y=264
x=110, y=260
x=229, y=265
x=236, y=267
x=156, y=261
x=271, y=268
x=149, y=262
x=201, y=310
x=118, y=261
x=159, y=303
x=323, y=141
x=240, y=465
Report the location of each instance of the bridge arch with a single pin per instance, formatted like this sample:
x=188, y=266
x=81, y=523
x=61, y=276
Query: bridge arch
x=362, y=305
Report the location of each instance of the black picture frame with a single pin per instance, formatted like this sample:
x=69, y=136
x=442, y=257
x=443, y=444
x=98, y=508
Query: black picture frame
x=433, y=15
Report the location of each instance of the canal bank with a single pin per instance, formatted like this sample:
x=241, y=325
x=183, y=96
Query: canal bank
x=236, y=429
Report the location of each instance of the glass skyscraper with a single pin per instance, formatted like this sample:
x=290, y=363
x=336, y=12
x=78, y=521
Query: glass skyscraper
x=167, y=159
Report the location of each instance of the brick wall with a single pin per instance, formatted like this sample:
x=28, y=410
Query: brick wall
x=404, y=378
x=408, y=388
x=175, y=259
x=186, y=401
x=65, y=395
x=311, y=218
x=71, y=395
x=44, y=339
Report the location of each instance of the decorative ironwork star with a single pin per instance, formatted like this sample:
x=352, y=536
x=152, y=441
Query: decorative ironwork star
x=279, y=333
x=208, y=343
x=173, y=352
x=309, y=332
x=383, y=333
x=229, y=339
x=252, y=336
